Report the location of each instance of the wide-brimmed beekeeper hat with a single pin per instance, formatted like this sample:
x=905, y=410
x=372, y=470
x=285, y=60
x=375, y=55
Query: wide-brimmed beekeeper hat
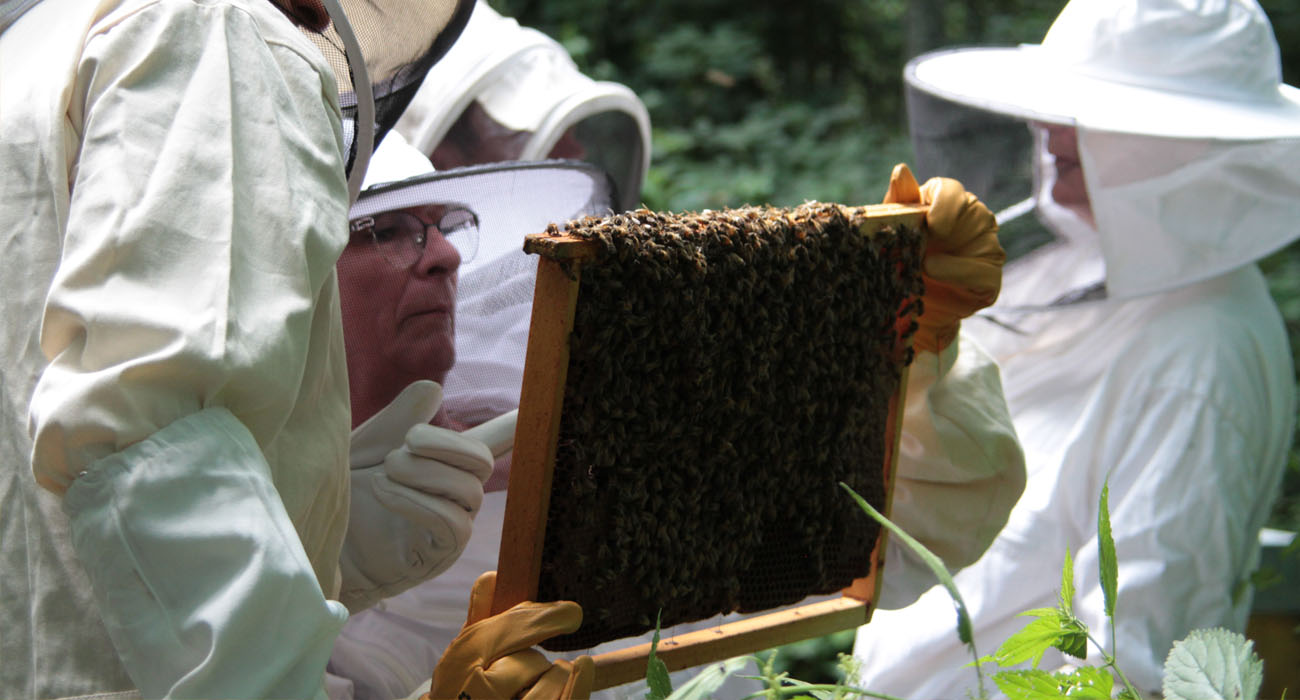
x=1187, y=140
x=1174, y=68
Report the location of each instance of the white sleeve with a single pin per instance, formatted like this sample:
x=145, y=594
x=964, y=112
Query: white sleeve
x=198, y=574
x=207, y=210
x=960, y=466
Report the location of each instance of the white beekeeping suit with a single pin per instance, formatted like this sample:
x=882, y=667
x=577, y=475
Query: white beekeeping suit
x=174, y=410
x=1139, y=346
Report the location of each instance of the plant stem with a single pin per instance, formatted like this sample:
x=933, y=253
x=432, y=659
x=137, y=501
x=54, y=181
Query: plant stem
x=1111, y=661
x=803, y=688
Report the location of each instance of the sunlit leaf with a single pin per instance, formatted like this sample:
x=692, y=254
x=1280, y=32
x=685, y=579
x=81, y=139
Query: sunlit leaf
x=1108, y=564
x=1030, y=643
x=707, y=681
x=1088, y=683
x=1212, y=664
x=1066, y=595
x=935, y=565
x=1027, y=685
x=656, y=673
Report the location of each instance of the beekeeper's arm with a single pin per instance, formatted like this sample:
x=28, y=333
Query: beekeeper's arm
x=960, y=466
x=208, y=207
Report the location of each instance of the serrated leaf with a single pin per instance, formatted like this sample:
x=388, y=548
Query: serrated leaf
x=1213, y=664
x=1065, y=596
x=1072, y=633
x=1073, y=637
x=656, y=673
x=964, y=631
x=1108, y=563
x=1053, y=613
x=1030, y=643
x=706, y=682
x=1088, y=683
x=1027, y=685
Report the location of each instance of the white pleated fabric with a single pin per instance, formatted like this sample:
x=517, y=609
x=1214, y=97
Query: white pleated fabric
x=1176, y=386
x=174, y=203
x=1185, y=402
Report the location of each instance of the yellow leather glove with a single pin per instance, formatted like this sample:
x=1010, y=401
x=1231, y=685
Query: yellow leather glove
x=492, y=658
x=963, y=259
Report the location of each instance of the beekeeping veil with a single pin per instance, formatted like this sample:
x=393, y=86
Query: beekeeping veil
x=494, y=290
x=380, y=50
x=506, y=92
x=1188, y=140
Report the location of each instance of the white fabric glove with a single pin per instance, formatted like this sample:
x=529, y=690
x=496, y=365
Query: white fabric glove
x=415, y=491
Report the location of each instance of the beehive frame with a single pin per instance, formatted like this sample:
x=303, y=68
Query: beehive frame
x=528, y=501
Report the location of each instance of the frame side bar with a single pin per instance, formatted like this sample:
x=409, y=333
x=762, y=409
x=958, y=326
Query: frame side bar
x=540, y=401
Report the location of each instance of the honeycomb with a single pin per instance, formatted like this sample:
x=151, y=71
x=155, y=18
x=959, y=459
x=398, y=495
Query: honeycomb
x=727, y=370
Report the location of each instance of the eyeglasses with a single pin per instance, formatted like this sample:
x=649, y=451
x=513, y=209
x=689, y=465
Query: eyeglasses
x=402, y=236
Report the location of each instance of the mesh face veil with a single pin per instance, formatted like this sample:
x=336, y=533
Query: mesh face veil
x=444, y=315
x=383, y=49
x=506, y=92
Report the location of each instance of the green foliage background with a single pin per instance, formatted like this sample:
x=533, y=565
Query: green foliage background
x=770, y=101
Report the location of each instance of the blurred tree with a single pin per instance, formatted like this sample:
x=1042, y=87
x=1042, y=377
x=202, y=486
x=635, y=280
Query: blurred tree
x=776, y=102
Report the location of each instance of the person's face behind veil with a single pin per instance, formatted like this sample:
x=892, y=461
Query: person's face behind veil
x=398, y=299
x=1068, y=189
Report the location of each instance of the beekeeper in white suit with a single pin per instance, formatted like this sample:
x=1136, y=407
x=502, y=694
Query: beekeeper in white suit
x=1140, y=347
x=174, y=374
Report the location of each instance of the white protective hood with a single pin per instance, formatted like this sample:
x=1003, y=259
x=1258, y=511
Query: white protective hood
x=1175, y=211
x=527, y=83
x=1189, y=141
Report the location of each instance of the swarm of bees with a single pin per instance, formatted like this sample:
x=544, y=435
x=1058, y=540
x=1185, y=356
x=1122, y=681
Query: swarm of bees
x=728, y=369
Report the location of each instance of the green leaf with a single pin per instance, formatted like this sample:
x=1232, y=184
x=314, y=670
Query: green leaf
x=1054, y=613
x=1066, y=595
x=1027, y=685
x=1108, y=564
x=707, y=681
x=1213, y=663
x=1073, y=637
x=656, y=673
x=1030, y=642
x=1086, y=683
x=964, y=632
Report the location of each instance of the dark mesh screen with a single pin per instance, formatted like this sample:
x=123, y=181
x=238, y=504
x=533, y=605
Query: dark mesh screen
x=991, y=154
x=612, y=141
x=400, y=41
